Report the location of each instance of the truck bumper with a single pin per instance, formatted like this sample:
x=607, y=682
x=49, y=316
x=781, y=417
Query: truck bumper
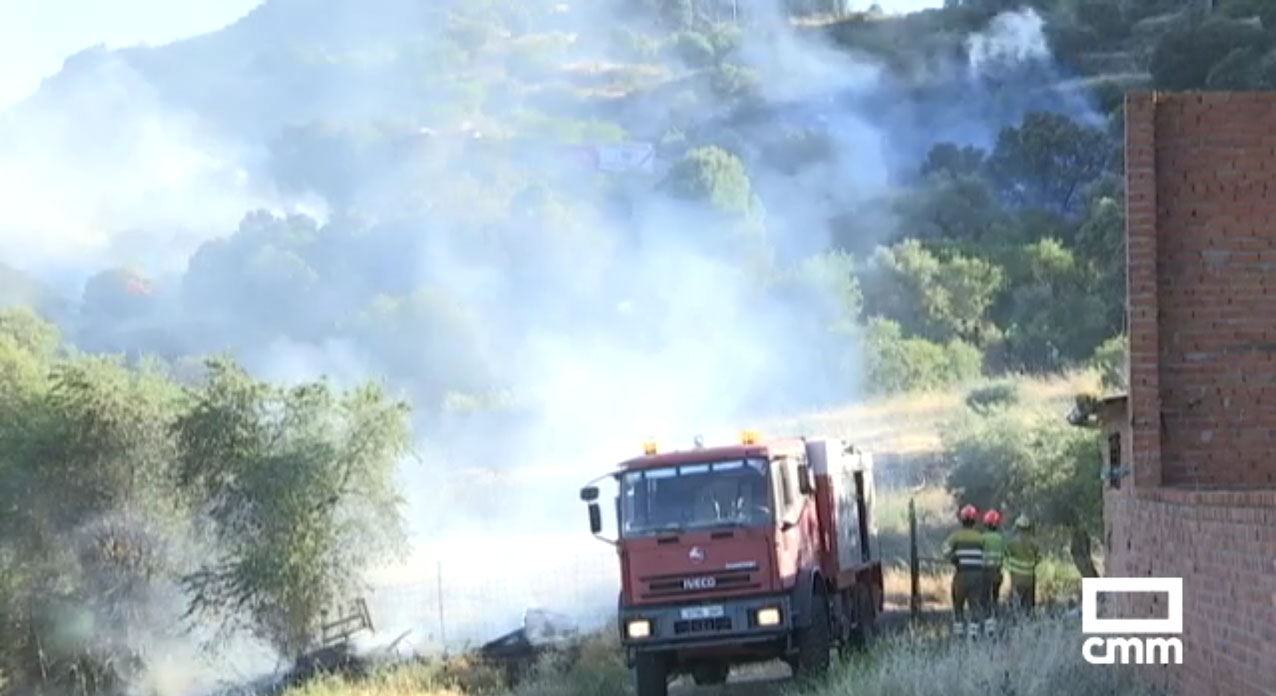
x=728, y=622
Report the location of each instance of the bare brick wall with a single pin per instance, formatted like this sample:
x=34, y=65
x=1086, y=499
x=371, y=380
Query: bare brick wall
x=1224, y=548
x=1215, y=280
x=1201, y=412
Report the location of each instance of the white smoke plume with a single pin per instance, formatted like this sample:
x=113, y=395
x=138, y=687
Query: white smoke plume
x=1011, y=38
x=97, y=170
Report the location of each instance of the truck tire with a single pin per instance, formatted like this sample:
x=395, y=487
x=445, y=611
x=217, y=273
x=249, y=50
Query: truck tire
x=865, y=617
x=651, y=675
x=815, y=641
x=711, y=673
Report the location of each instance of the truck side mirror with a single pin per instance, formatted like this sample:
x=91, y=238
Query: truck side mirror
x=805, y=484
x=589, y=494
x=595, y=518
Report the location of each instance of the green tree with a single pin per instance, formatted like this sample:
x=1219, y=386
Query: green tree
x=1052, y=317
x=90, y=515
x=953, y=160
x=1112, y=360
x=894, y=363
x=263, y=276
x=1100, y=245
x=962, y=211
x=298, y=484
x=1184, y=57
x=735, y=82
x=1046, y=469
x=1047, y=161
x=937, y=299
x=714, y=176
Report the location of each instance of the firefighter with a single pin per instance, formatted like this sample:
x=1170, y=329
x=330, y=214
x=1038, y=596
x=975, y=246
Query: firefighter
x=964, y=548
x=1022, y=557
x=994, y=552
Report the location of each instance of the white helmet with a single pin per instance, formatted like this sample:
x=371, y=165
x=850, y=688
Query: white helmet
x=1023, y=522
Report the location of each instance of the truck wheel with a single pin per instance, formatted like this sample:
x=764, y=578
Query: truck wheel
x=814, y=641
x=865, y=620
x=651, y=674
x=709, y=673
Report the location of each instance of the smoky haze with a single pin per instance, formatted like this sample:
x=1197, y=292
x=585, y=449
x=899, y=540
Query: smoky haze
x=561, y=315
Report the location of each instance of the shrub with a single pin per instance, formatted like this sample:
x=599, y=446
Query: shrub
x=897, y=364
x=989, y=397
x=731, y=81
x=1111, y=359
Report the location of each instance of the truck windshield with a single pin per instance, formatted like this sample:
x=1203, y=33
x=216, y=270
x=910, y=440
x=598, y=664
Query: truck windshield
x=691, y=496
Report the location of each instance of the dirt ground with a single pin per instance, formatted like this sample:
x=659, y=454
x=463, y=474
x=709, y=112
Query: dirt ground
x=760, y=680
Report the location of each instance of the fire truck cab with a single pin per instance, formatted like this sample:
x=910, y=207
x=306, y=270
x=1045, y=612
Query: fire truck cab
x=746, y=552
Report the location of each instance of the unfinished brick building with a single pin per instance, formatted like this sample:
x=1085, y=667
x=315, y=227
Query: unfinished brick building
x=1198, y=428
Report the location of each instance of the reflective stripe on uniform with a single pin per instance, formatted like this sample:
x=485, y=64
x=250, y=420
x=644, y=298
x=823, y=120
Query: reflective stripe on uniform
x=1018, y=567
x=965, y=547
x=994, y=549
x=1022, y=556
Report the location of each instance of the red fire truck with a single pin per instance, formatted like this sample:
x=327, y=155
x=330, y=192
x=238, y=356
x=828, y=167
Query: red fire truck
x=741, y=553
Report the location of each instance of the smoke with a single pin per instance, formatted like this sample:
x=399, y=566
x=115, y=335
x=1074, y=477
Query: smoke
x=608, y=313
x=98, y=170
x=1011, y=38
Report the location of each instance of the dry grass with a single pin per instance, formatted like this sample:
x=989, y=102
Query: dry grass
x=1039, y=658
x=933, y=589
x=597, y=670
x=913, y=423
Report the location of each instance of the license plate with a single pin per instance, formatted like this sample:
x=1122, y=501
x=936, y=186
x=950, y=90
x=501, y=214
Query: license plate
x=710, y=612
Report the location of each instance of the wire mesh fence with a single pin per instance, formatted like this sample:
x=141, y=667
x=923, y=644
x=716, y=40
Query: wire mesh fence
x=461, y=600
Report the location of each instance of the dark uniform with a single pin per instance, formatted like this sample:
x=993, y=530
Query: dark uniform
x=964, y=548
x=994, y=552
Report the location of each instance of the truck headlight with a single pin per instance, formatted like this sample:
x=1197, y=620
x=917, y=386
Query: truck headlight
x=769, y=616
x=638, y=629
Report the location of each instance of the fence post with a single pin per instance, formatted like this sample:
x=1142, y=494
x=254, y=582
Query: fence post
x=442, y=624
x=914, y=570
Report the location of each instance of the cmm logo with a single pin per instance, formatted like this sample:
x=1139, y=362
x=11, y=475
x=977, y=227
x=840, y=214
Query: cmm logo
x=1130, y=650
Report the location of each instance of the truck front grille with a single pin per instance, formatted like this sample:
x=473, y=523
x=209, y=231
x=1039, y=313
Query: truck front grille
x=692, y=584
x=722, y=623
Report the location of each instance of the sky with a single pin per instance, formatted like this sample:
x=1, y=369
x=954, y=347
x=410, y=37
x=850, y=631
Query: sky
x=37, y=35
